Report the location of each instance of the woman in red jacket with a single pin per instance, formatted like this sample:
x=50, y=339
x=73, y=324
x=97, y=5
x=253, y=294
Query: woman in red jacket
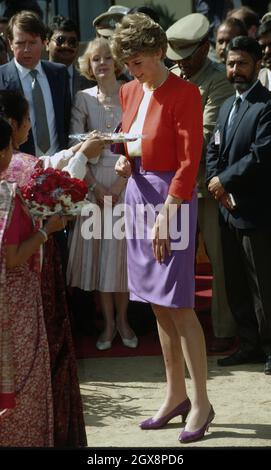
x=162, y=165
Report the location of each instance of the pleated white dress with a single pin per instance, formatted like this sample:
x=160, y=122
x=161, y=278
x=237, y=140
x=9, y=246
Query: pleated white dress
x=97, y=264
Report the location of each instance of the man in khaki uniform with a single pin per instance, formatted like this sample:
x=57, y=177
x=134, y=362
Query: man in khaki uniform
x=188, y=47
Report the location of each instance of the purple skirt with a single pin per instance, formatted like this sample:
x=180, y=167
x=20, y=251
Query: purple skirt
x=172, y=283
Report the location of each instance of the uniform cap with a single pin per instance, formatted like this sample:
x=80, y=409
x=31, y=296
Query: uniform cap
x=106, y=22
x=266, y=17
x=185, y=35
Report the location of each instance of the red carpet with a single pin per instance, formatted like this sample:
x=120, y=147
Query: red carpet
x=148, y=346
x=142, y=320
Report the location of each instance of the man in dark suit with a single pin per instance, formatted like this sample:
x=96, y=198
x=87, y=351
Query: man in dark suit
x=238, y=173
x=27, y=35
x=63, y=46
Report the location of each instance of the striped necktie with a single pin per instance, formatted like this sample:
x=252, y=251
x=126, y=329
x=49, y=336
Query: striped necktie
x=42, y=130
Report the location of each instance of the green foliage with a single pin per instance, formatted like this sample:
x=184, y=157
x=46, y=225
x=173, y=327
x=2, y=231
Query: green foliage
x=166, y=18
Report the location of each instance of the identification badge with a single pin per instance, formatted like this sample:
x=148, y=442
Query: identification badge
x=217, y=137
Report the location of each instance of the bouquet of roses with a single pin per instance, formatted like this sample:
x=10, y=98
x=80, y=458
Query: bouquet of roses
x=53, y=191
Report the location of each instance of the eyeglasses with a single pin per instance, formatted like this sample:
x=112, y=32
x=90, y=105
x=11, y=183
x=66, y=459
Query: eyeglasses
x=60, y=40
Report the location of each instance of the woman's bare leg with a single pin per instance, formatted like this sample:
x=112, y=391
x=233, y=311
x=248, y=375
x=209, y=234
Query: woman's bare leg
x=173, y=359
x=194, y=351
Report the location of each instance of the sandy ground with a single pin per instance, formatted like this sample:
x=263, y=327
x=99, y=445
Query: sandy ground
x=118, y=393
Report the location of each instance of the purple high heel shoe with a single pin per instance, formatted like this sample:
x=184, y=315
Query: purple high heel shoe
x=182, y=409
x=192, y=436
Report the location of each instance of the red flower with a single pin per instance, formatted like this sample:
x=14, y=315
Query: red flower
x=46, y=187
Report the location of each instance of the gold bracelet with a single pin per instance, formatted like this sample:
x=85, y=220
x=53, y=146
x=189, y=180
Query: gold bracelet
x=44, y=233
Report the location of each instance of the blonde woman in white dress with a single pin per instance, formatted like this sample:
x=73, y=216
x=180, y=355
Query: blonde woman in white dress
x=101, y=264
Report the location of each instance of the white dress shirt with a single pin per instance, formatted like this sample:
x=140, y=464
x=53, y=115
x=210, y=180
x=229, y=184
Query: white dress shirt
x=242, y=96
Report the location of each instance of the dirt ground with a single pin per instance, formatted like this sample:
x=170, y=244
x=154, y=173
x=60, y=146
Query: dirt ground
x=118, y=393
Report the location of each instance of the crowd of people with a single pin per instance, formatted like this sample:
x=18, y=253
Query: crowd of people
x=199, y=110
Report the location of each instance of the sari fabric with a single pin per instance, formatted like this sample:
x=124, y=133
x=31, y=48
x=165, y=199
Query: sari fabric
x=7, y=386
x=20, y=169
x=69, y=427
x=30, y=422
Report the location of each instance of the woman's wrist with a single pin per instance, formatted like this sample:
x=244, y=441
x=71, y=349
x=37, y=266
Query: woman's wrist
x=173, y=200
x=92, y=186
x=44, y=234
x=75, y=148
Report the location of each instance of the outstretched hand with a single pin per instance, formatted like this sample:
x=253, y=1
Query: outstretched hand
x=93, y=146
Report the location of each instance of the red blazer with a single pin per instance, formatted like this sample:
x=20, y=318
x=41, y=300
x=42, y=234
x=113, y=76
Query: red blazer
x=173, y=130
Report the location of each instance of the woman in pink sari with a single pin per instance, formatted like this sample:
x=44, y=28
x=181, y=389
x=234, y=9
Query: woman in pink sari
x=26, y=418
x=69, y=428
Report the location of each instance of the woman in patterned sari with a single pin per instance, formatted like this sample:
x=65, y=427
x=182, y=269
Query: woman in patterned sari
x=25, y=381
x=69, y=428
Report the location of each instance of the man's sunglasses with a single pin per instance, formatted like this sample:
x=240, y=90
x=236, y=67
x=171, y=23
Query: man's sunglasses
x=60, y=40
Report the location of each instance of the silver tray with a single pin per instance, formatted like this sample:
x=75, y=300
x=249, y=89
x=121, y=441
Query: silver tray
x=113, y=137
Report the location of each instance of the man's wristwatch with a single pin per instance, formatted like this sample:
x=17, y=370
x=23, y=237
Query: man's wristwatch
x=92, y=187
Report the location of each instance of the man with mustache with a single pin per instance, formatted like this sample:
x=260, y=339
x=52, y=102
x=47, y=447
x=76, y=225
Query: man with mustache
x=63, y=46
x=238, y=171
x=226, y=31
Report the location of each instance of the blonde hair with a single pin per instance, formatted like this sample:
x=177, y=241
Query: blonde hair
x=138, y=34
x=84, y=60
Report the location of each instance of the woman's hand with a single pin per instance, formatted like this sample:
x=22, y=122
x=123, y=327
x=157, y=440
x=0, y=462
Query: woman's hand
x=76, y=148
x=55, y=223
x=93, y=146
x=160, y=231
x=123, y=167
x=160, y=238
x=19, y=254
